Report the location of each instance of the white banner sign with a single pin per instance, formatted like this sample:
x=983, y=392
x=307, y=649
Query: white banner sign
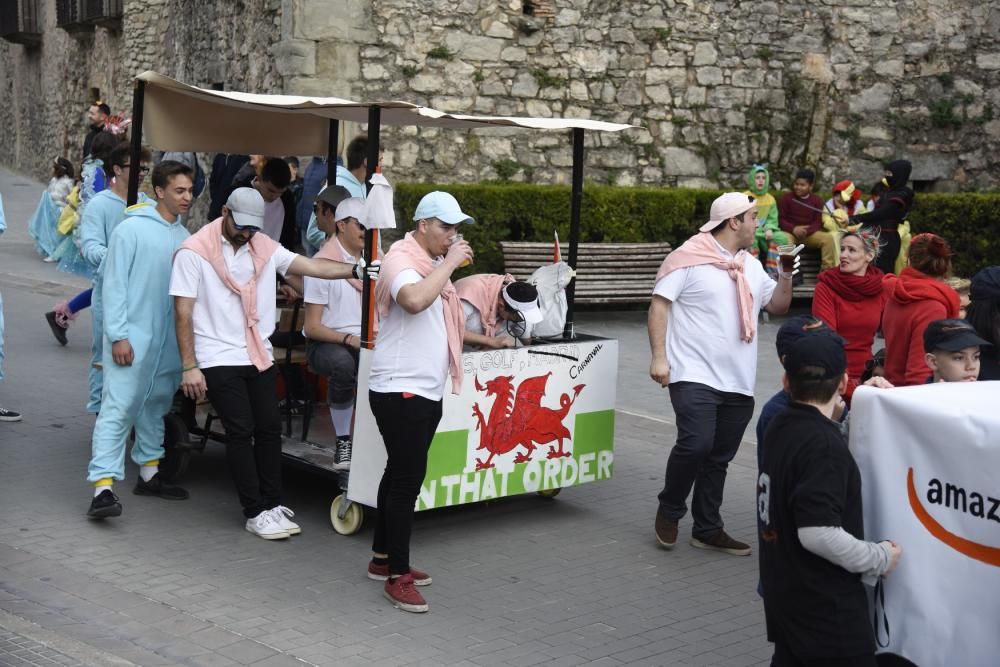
x=930, y=467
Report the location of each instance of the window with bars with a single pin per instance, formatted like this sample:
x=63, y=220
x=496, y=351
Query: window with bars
x=68, y=15
x=20, y=21
x=102, y=12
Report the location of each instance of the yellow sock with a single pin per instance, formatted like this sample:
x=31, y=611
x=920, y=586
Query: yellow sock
x=102, y=484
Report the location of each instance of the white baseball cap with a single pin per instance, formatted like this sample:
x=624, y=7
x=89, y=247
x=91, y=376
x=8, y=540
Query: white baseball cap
x=247, y=207
x=352, y=207
x=726, y=206
x=526, y=301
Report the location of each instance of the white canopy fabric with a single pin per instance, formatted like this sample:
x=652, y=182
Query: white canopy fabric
x=179, y=117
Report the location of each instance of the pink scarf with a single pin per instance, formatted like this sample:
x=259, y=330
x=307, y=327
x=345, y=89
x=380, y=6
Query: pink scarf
x=702, y=249
x=408, y=254
x=483, y=292
x=333, y=249
x=207, y=243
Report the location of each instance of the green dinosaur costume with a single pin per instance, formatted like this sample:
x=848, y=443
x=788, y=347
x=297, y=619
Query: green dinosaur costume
x=767, y=220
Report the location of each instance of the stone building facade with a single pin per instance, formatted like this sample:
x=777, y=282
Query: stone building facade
x=841, y=85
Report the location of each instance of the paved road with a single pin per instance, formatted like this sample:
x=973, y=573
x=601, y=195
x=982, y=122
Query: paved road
x=522, y=581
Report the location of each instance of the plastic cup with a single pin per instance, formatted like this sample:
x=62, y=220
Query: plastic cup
x=455, y=239
x=786, y=257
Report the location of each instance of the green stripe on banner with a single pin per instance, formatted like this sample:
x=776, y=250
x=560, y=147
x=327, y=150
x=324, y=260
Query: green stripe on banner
x=447, y=484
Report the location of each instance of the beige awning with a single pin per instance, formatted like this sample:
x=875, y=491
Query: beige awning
x=179, y=117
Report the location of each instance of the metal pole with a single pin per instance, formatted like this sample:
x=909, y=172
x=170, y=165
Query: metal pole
x=138, y=98
x=576, y=201
x=331, y=152
x=371, y=246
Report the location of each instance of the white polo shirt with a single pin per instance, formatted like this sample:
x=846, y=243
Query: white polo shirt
x=219, y=334
x=411, y=351
x=704, y=341
x=341, y=302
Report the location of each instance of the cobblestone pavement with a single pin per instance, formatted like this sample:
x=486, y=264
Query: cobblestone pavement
x=520, y=581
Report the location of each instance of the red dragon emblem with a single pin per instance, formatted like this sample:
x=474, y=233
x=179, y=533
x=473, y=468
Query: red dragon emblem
x=520, y=420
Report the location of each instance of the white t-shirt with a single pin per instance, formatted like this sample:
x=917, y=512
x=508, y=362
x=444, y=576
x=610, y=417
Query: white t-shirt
x=274, y=218
x=341, y=303
x=219, y=334
x=704, y=341
x=411, y=351
x=474, y=323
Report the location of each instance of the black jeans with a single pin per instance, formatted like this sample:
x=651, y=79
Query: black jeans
x=246, y=401
x=784, y=658
x=710, y=426
x=407, y=426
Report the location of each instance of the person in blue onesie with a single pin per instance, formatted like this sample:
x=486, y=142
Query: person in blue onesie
x=5, y=415
x=105, y=210
x=142, y=367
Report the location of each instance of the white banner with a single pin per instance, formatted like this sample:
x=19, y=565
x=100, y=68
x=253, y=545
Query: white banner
x=930, y=467
x=528, y=419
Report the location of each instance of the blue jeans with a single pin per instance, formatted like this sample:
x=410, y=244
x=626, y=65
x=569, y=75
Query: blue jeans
x=710, y=426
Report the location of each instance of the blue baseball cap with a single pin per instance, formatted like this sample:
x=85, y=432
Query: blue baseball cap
x=442, y=206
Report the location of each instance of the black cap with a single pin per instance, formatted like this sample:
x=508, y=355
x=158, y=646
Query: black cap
x=333, y=195
x=951, y=336
x=816, y=358
x=795, y=328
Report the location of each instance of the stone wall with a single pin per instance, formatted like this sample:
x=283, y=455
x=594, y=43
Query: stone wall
x=47, y=87
x=842, y=85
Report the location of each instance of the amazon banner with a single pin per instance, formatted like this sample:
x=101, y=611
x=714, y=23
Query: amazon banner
x=528, y=419
x=930, y=468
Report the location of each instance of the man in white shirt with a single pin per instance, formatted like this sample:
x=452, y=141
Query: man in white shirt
x=499, y=311
x=224, y=286
x=333, y=318
x=419, y=344
x=702, y=326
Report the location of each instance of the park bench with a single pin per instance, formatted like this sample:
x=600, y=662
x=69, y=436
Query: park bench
x=606, y=273
x=622, y=273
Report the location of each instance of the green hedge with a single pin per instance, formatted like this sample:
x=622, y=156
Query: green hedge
x=518, y=212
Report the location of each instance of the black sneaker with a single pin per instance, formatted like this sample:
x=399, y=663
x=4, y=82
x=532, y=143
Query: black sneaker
x=157, y=487
x=104, y=504
x=721, y=541
x=666, y=531
x=342, y=454
x=57, y=331
x=9, y=415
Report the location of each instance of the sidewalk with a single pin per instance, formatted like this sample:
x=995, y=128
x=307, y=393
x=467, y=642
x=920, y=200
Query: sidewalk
x=521, y=581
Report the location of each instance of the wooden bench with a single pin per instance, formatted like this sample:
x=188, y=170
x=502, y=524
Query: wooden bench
x=623, y=273
x=606, y=273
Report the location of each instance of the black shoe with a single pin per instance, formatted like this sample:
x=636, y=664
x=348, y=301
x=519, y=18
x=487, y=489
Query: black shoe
x=721, y=541
x=9, y=415
x=57, y=331
x=342, y=454
x=104, y=504
x=157, y=487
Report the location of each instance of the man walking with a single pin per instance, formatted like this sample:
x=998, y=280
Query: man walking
x=101, y=216
x=224, y=286
x=97, y=116
x=419, y=344
x=141, y=364
x=702, y=335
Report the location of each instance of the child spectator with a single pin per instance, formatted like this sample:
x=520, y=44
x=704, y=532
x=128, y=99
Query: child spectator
x=845, y=202
x=43, y=223
x=769, y=235
x=890, y=214
x=984, y=315
x=874, y=367
x=916, y=298
x=813, y=556
x=800, y=214
x=962, y=286
x=952, y=351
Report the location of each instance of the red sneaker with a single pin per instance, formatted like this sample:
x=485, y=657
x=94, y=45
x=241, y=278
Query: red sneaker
x=381, y=573
x=403, y=594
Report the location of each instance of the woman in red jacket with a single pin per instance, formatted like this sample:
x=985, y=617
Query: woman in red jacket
x=850, y=299
x=915, y=299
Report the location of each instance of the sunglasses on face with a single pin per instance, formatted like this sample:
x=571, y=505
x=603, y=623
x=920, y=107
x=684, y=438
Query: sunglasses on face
x=245, y=228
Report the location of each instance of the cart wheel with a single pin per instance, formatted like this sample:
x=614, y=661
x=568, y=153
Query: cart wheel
x=549, y=493
x=176, y=448
x=351, y=523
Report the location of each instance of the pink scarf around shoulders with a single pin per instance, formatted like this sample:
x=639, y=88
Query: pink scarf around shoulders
x=483, y=292
x=408, y=254
x=207, y=243
x=702, y=249
x=334, y=250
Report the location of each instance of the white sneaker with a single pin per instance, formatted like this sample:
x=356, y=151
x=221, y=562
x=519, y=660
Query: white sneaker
x=281, y=516
x=265, y=526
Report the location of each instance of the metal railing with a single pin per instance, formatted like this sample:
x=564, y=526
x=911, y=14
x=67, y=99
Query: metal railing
x=102, y=12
